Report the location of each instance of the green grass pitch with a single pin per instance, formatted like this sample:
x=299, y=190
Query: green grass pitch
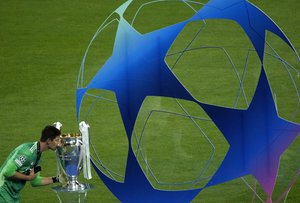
x=41, y=47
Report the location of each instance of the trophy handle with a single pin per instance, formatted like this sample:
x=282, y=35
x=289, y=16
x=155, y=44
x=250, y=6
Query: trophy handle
x=86, y=164
x=60, y=173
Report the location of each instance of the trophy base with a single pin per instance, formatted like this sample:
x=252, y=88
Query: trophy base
x=78, y=188
x=69, y=194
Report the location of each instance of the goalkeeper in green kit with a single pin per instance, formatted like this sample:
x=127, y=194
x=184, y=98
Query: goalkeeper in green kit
x=22, y=165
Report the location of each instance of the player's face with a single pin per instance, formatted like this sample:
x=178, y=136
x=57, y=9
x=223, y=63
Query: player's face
x=53, y=144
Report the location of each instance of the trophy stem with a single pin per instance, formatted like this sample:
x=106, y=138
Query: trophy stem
x=74, y=185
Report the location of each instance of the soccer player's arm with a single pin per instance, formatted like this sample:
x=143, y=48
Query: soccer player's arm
x=40, y=181
x=20, y=176
x=12, y=167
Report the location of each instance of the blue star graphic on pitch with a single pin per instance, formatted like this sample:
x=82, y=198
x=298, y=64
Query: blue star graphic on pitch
x=257, y=136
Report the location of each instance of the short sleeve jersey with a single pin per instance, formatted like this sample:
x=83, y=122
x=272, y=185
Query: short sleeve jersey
x=21, y=159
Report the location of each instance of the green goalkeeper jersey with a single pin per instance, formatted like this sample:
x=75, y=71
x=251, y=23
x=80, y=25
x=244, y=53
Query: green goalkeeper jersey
x=22, y=159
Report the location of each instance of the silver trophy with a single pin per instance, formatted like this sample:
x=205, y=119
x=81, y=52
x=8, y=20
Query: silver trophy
x=72, y=157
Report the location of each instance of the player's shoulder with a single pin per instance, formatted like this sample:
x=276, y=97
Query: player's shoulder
x=29, y=147
x=24, y=153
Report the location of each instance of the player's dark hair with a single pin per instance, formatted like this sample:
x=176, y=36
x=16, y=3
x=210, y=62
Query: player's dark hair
x=49, y=132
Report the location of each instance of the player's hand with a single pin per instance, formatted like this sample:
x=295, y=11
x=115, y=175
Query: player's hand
x=31, y=175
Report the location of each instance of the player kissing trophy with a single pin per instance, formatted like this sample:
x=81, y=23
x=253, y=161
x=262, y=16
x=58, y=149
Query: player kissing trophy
x=73, y=156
